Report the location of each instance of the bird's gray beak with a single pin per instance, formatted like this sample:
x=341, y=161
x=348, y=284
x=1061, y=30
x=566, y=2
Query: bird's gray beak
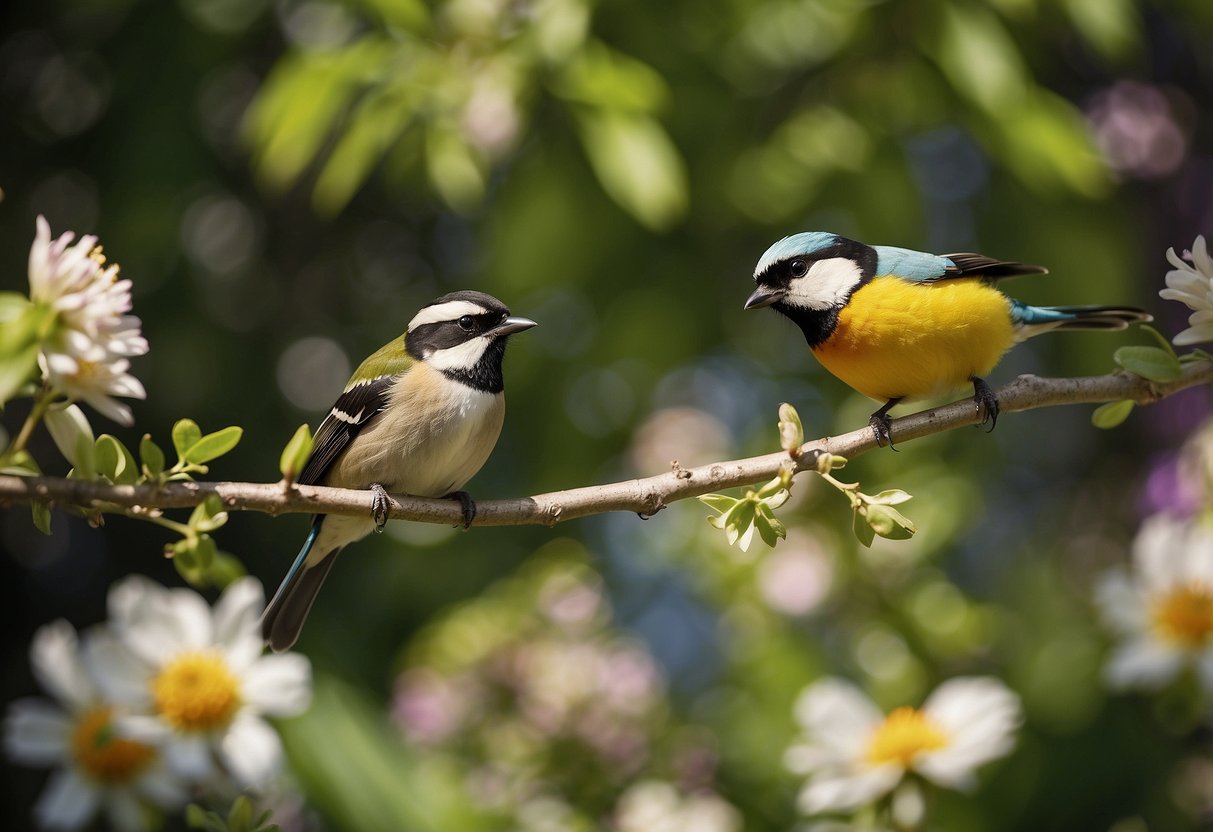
x=764, y=296
x=511, y=325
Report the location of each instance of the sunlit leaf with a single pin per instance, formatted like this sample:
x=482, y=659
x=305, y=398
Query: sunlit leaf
x=791, y=431
x=151, y=456
x=296, y=453
x=604, y=78
x=453, y=169
x=214, y=445
x=637, y=164
x=1111, y=414
x=863, y=532
x=185, y=434
x=70, y=429
x=717, y=502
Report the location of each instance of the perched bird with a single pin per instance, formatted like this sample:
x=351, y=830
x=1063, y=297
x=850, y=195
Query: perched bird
x=419, y=416
x=900, y=324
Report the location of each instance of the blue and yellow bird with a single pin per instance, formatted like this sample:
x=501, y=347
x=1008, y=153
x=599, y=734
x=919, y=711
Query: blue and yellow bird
x=897, y=324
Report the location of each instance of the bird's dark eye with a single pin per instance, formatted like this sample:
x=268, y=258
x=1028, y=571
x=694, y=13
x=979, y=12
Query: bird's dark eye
x=799, y=268
x=466, y=323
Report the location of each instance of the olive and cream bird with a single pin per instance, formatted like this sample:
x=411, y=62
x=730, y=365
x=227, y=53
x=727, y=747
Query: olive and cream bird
x=419, y=416
x=898, y=324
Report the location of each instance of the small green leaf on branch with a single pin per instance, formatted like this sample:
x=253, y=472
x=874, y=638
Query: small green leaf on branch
x=1149, y=362
x=296, y=453
x=1111, y=414
x=791, y=431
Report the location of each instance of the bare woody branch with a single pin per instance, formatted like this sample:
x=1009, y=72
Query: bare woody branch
x=643, y=496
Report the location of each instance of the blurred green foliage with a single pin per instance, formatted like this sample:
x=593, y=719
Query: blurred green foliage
x=292, y=180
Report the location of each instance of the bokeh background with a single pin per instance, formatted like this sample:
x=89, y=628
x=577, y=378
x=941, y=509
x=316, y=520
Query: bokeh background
x=286, y=181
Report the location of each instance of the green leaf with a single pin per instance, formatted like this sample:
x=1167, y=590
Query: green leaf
x=1111, y=414
x=214, y=445
x=70, y=429
x=769, y=528
x=638, y=165
x=791, y=431
x=889, y=497
x=296, y=453
x=16, y=369
x=863, y=531
x=85, y=457
x=151, y=455
x=186, y=434
x=602, y=77
x=114, y=461
x=41, y=515
x=889, y=522
x=1149, y=362
x=454, y=170
x=718, y=502
x=208, y=515
x=1157, y=336
x=225, y=568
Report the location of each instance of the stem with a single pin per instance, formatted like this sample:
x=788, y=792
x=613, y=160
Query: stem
x=42, y=402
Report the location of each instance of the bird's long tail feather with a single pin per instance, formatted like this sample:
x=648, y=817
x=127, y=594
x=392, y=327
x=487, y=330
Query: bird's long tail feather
x=284, y=615
x=1033, y=320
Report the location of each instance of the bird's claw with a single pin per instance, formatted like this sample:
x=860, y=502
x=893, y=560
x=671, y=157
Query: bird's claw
x=986, y=403
x=381, y=504
x=880, y=425
x=467, y=507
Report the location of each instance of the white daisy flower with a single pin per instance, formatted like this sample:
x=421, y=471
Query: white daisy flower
x=99, y=769
x=1191, y=283
x=853, y=754
x=1163, y=611
x=195, y=680
x=85, y=355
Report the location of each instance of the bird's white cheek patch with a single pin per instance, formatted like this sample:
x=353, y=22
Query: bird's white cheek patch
x=460, y=357
x=827, y=284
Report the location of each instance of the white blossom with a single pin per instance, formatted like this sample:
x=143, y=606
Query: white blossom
x=852, y=754
x=1191, y=283
x=1163, y=610
x=86, y=353
x=194, y=680
x=97, y=768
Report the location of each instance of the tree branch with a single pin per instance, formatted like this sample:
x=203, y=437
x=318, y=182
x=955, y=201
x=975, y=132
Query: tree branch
x=643, y=496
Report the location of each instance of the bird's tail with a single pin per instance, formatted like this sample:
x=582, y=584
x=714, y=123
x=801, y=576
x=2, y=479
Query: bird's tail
x=1033, y=320
x=284, y=616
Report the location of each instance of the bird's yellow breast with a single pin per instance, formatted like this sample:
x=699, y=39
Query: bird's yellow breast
x=897, y=339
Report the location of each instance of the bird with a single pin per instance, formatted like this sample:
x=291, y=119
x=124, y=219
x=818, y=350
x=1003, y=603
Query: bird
x=897, y=324
x=420, y=416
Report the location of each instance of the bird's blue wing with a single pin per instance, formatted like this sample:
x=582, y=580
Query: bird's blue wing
x=920, y=267
x=914, y=266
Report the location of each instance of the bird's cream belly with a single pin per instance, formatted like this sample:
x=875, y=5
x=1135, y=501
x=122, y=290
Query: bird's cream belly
x=901, y=340
x=432, y=438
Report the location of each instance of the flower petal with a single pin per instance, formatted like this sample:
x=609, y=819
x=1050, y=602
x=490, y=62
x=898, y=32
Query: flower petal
x=251, y=751
x=1122, y=603
x=55, y=656
x=189, y=756
x=68, y=801
x=839, y=792
x=121, y=675
x=279, y=685
x=838, y=719
x=1143, y=663
x=980, y=716
x=237, y=627
x=36, y=732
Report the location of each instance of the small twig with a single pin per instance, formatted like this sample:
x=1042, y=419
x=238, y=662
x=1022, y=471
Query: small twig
x=639, y=496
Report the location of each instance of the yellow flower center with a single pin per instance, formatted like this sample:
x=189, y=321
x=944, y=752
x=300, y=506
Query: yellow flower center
x=196, y=692
x=904, y=734
x=107, y=758
x=1185, y=615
